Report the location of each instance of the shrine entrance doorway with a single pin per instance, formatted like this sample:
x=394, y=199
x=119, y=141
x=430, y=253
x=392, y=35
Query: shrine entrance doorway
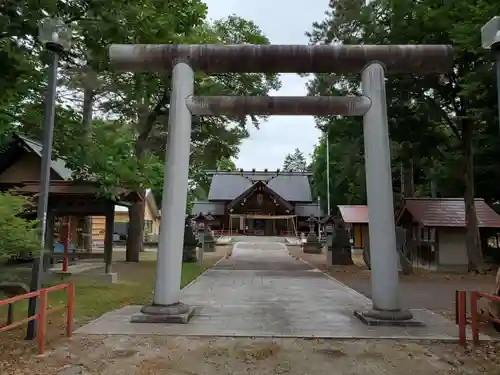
x=265, y=225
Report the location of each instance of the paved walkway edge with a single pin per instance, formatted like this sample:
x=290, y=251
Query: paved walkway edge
x=482, y=337
x=333, y=279
x=204, y=272
x=263, y=291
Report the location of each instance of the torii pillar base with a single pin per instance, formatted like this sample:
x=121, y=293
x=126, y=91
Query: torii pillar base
x=399, y=318
x=178, y=313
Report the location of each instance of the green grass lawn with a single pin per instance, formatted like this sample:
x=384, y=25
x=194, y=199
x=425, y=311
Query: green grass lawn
x=93, y=298
x=135, y=288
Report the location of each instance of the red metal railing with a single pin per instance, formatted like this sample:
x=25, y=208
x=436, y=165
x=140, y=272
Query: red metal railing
x=44, y=310
x=461, y=314
x=474, y=298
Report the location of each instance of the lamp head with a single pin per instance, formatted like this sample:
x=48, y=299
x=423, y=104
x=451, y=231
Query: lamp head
x=490, y=34
x=54, y=34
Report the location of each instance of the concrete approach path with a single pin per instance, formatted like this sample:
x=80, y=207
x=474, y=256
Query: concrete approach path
x=261, y=291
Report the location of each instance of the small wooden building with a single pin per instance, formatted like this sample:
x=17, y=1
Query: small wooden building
x=20, y=169
x=356, y=218
x=151, y=222
x=437, y=230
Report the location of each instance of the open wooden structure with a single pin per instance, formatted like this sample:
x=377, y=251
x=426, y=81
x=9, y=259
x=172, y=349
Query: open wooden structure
x=291, y=222
x=20, y=162
x=79, y=199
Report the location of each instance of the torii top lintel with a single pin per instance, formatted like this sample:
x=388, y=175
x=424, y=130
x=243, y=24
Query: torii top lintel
x=246, y=58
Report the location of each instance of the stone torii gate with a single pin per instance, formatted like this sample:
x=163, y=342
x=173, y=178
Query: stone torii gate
x=372, y=61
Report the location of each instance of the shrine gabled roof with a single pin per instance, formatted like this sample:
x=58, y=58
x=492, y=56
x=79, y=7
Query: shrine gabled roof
x=76, y=188
x=18, y=142
x=292, y=187
x=260, y=185
x=58, y=164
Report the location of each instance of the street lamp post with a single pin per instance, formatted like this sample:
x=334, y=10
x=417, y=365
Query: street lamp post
x=55, y=35
x=490, y=39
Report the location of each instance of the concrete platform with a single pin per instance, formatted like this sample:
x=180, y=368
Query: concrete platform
x=224, y=240
x=151, y=318
x=261, y=291
x=77, y=268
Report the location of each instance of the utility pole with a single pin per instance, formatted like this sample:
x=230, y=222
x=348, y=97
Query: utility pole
x=319, y=217
x=327, y=172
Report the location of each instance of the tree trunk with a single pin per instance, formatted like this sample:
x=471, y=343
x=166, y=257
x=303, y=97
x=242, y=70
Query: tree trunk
x=146, y=120
x=407, y=191
x=87, y=231
x=366, y=256
x=433, y=188
x=472, y=236
x=88, y=102
x=407, y=180
x=135, y=234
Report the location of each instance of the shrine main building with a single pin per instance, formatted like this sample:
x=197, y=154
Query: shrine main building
x=259, y=202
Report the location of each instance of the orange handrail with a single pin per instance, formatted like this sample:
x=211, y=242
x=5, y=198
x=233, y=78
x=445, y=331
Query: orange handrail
x=461, y=315
x=474, y=297
x=44, y=310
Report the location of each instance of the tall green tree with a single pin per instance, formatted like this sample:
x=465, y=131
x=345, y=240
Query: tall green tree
x=212, y=138
x=295, y=162
x=432, y=117
x=226, y=165
x=22, y=58
x=131, y=110
x=347, y=173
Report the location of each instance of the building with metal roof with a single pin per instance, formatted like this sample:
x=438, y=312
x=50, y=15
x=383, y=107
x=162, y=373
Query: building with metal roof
x=248, y=200
x=20, y=169
x=356, y=218
x=437, y=231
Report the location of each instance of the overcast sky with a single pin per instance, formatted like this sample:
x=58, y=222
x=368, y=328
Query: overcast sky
x=283, y=22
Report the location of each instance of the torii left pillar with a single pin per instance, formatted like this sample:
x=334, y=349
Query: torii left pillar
x=166, y=306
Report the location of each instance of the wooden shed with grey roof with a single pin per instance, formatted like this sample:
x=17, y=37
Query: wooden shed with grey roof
x=260, y=202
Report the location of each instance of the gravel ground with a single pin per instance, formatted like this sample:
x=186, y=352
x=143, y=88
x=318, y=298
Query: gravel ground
x=14, y=350
x=127, y=355
x=151, y=355
x=434, y=291
x=414, y=289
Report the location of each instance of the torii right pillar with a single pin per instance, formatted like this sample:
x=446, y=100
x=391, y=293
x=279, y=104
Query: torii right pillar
x=386, y=309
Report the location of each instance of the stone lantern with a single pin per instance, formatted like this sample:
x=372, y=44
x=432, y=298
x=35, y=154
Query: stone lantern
x=206, y=238
x=312, y=244
x=190, y=242
x=311, y=221
x=338, y=244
